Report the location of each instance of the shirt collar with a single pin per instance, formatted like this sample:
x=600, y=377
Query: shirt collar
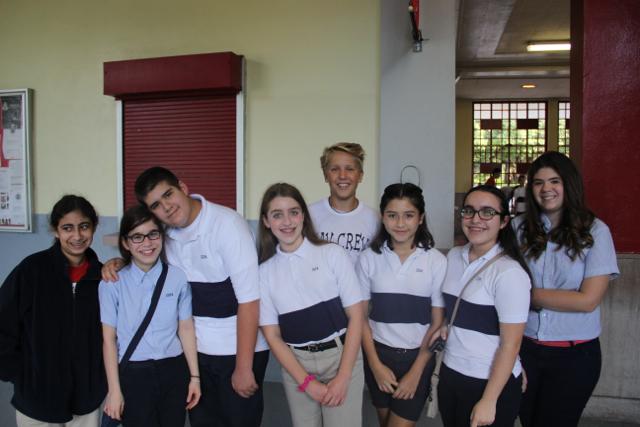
x=352, y=212
x=302, y=251
x=138, y=274
x=388, y=251
x=487, y=256
x=546, y=222
x=191, y=231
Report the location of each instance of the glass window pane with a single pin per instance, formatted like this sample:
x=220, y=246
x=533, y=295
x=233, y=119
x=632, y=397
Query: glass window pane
x=508, y=145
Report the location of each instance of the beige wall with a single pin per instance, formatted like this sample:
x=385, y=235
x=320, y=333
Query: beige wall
x=464, y=142
x=552, y=124
x=312, y=80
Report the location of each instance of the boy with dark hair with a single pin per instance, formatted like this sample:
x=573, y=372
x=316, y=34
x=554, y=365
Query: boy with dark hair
x=213, y=245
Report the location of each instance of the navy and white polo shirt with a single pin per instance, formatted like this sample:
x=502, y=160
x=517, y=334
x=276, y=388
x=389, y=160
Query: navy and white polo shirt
x=217, y=253
x=401, y=294
x=305, y=292
x=500, y=294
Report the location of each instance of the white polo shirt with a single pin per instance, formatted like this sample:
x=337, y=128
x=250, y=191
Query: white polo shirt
x=351, y=230
x=305, y=292
x=401, y=294
x=500, y=294
x=217, y=253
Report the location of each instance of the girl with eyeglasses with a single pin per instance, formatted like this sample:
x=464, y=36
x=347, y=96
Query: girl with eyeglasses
x=310, y=313
x=401, y=276
x=162, y=377
x=481, y=376
x=50, y=338
x=572, y=258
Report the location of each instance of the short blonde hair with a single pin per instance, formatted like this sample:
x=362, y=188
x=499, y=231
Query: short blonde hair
x=352, y=148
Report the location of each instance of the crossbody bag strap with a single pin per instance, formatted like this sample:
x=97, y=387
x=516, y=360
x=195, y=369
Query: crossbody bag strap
x=480, y=270
x=147, y=318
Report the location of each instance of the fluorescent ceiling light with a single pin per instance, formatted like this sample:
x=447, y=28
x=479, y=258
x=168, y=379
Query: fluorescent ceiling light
x=528, y=86
x=548, y=46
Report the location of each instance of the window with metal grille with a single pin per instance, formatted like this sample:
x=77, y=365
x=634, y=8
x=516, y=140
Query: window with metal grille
x=564, y=116
x=507, y=136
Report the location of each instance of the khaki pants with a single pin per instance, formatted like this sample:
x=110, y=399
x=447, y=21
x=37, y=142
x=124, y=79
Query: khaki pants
x=88, y=420
x=306, y=412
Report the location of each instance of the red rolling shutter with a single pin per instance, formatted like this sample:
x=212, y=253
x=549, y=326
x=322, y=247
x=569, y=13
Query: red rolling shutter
x=194, y=136
x=179, y=112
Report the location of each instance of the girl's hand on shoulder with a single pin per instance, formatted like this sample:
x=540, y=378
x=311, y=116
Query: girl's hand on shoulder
x=317, y=390
x=483, y=413
x=114, y=405
x=385, y=378
x=408, y=385
x=194, y=393
x=337, y=390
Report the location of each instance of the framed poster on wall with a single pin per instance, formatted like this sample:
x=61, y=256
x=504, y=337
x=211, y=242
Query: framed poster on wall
x=15, y=176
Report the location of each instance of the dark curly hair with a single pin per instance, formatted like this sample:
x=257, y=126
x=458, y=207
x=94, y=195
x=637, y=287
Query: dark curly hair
x=573, y=232
x=69, y=203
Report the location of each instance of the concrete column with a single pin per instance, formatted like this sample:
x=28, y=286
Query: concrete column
x=417, y=107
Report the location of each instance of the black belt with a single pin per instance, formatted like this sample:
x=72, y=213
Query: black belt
x=321, y=346
x=396, y=349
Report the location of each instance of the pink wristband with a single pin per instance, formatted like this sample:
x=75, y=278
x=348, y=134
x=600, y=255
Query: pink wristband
x=302, y=387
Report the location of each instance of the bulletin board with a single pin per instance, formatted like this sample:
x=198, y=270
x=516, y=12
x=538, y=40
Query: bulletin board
x=15, y=176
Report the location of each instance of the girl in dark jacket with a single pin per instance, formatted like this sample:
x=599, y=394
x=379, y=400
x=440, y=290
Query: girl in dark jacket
x=50, y=332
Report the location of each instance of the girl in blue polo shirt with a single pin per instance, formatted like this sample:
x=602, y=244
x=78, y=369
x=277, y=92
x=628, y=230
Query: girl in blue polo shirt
x=401, y=276
x=159, y=381
x=481, y=376
x=310, y=313
x=572, y=259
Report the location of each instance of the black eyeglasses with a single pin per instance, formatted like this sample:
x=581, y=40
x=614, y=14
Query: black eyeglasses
x=139, y=238
x=485, y=214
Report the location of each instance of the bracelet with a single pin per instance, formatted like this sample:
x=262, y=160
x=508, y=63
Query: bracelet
x=302, y=387
x=195, y=376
